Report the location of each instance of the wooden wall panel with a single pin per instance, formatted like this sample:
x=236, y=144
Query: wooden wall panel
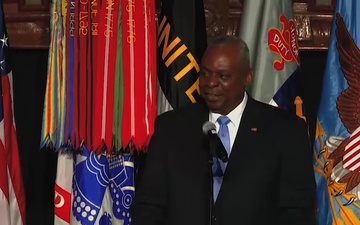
x=313, y=21
x=313, y=25
x=28, y=21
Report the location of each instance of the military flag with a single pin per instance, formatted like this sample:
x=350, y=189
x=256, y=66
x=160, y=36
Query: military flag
x=118, y=92
x=139, y=73
x=103, y=189
x=100, y=104
x=12, y=195
x=59, y=131
x=181, y=43
x=336, y=146
x=105, y=75
x=54, y=108
x=63, y=188
x=269, y=30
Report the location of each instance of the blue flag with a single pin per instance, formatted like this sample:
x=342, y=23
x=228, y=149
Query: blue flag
x=337, y=144
x=103, y=189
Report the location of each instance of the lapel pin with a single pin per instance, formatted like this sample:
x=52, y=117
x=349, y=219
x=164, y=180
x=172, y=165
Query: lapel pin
x=253, y=129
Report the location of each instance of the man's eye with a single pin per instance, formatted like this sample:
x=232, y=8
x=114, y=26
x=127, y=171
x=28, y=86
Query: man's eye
x=203, y=73
x=224, y=76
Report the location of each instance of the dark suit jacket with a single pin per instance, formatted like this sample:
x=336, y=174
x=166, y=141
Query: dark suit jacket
x=269, y=178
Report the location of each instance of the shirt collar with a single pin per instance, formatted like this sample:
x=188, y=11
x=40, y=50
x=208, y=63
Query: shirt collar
x=234, y=115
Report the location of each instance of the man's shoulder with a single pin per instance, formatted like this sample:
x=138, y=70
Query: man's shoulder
x=271, y=112
x=183, y=113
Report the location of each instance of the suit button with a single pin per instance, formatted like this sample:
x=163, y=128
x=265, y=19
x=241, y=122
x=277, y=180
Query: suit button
x=213, y=218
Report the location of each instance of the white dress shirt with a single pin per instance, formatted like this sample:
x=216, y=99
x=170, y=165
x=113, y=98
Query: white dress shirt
x=234, y=116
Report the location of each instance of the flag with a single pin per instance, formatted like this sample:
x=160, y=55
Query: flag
x=105, y=75
x=139, y=73
x=99, y=100
x=118, y=92
x=52, y=133
x=103, y=188
x=269, y=30
x=181, y=44
x=63, y=185
x=336, y=145
x=12, y=195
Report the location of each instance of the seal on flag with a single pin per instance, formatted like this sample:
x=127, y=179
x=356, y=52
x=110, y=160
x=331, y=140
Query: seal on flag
x=284, y=42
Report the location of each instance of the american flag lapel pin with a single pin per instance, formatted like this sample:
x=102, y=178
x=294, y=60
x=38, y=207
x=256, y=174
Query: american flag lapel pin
x=254, y=129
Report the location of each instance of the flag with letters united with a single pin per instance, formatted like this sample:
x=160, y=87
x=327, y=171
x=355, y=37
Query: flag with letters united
x=12, y=195
x=181, y=43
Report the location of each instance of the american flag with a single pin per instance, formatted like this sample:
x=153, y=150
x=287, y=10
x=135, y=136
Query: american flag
x=12, y=197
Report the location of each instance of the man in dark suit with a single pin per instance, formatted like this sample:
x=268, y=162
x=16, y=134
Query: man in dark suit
x=269, y=177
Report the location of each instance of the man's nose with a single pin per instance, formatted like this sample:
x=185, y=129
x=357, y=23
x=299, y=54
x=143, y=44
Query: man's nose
x=213, y=80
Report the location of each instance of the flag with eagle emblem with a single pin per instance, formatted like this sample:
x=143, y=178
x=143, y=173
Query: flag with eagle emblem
x=337, y=141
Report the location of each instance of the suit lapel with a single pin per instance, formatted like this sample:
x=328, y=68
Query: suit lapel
x=245, y=137
x=248, y=127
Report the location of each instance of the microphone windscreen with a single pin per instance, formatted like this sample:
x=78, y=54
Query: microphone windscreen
x=208, y=126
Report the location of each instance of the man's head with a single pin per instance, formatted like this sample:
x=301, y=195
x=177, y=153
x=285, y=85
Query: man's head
x=224, y=73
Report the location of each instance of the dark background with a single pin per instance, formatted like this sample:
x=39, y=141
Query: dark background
x=39, y=166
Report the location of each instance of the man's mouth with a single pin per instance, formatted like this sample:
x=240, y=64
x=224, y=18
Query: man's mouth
x=212, y=96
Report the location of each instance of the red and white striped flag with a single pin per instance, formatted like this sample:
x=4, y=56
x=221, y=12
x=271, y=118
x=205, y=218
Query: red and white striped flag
x=351, y=159
x=12, y=196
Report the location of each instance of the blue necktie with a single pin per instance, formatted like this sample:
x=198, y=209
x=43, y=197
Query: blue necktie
x=219, y=166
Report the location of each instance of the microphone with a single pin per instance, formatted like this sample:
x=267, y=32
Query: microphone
x=217, y=149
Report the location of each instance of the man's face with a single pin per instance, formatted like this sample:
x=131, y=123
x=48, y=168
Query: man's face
x=222, y=78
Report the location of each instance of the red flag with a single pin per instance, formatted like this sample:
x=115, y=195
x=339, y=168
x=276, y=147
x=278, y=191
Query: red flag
x=139, y=67
x=12, y=197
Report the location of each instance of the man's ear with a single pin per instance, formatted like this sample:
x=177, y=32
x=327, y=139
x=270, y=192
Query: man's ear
x=249, y=77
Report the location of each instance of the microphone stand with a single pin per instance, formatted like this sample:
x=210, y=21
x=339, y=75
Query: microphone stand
x=212, y=154
x=211, y=188
x=216, y=149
